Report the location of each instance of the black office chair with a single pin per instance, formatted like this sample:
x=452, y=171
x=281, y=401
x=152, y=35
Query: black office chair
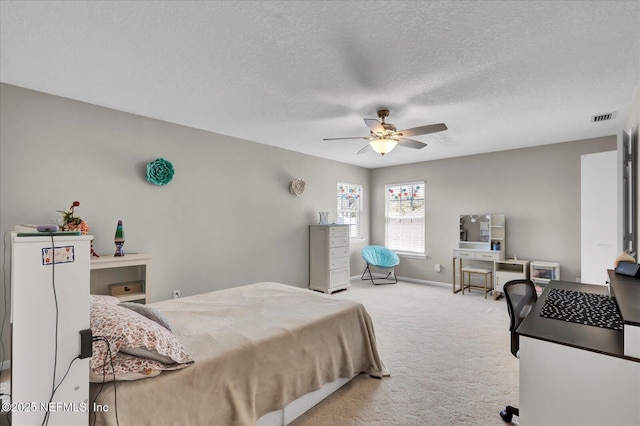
x=521, y=296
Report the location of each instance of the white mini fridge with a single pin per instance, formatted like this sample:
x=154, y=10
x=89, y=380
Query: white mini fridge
x=45, y=274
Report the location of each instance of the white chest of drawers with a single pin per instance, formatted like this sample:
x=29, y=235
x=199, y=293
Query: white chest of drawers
x=329, y=257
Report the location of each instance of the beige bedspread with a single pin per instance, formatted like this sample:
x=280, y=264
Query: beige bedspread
x=257, y=348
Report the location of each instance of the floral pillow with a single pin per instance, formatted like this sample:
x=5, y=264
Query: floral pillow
x=100, y=298
x=155, y=347
x=127, y=367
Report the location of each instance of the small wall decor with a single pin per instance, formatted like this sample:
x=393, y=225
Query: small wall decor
x=297, y=187
x=119, y=240
x=160, y=171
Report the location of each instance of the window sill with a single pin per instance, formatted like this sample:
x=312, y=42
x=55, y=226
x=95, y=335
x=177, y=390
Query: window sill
x=412, y=255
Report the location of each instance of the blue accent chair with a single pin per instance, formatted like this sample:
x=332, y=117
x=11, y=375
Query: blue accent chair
x=383, y=258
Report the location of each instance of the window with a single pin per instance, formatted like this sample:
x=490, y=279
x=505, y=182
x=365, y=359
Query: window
x=404, y=214
x=350, y=208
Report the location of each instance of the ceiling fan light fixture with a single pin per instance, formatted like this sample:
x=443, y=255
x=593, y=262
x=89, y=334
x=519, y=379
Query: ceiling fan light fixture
x=383, y=137
x=383, y=146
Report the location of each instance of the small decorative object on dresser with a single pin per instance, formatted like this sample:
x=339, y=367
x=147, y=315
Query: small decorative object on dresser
x=297, y=186
x=119, y=239
x=324, y=218
x=73, y=223
x=160, y=171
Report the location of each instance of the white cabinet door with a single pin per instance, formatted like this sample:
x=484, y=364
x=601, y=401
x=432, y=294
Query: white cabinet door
x=599, y=211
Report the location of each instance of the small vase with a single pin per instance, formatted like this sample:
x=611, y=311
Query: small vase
x=324, y=218
x=119, y=240
x=82, y=227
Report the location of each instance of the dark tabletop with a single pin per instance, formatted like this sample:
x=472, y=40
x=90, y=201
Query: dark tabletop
x=587, y=337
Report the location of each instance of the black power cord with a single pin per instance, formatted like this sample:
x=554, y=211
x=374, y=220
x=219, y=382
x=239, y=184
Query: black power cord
x=55, y=389
x=45, y=420
x=54, y=386
x=104, y=378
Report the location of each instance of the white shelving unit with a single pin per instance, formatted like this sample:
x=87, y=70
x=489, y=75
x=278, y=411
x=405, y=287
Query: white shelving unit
x=498, y=231
x=543, y=272
x=478, y=233
x=507, y=270
x=130, y=268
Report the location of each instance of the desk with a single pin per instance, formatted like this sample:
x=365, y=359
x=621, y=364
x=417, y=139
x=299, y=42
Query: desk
x=473, y=254
x=573, y=373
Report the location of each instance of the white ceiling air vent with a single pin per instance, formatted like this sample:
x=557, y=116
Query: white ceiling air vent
x=603, y=117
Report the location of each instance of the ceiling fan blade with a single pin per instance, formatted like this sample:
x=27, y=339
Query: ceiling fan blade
x=374, y=125
x=355, y=137
x=410, y=143
x=366, y=148
x=423, y=130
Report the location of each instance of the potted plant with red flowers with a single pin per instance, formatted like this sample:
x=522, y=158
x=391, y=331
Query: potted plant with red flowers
x=70, y=222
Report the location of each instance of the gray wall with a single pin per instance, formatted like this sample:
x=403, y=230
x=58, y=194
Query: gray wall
x=226, y=219
x=538, y=189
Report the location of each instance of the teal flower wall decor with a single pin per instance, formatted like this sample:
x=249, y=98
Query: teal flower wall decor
x=160, y=171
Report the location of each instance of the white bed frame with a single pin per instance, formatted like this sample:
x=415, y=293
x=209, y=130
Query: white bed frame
x=296, y=408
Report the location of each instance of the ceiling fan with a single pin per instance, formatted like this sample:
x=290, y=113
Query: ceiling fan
x=384, y=136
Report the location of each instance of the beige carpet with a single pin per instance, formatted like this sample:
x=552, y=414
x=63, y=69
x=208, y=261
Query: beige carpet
x=448, y=356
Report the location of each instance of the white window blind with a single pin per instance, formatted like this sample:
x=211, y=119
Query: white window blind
x=405, y=206
x=349, y=197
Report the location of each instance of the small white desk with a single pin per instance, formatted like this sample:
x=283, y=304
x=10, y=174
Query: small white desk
x=473, y=254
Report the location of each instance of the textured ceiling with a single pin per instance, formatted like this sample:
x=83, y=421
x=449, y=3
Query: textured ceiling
x=500, y=74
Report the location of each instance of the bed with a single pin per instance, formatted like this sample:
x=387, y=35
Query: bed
x=256, y=350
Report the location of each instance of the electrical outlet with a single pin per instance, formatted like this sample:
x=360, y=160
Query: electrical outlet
x=438, y=267
x=176, y=294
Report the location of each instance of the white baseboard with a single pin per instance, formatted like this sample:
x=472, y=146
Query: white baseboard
x=5, y=365
x=417, y=281
x=411, y=280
